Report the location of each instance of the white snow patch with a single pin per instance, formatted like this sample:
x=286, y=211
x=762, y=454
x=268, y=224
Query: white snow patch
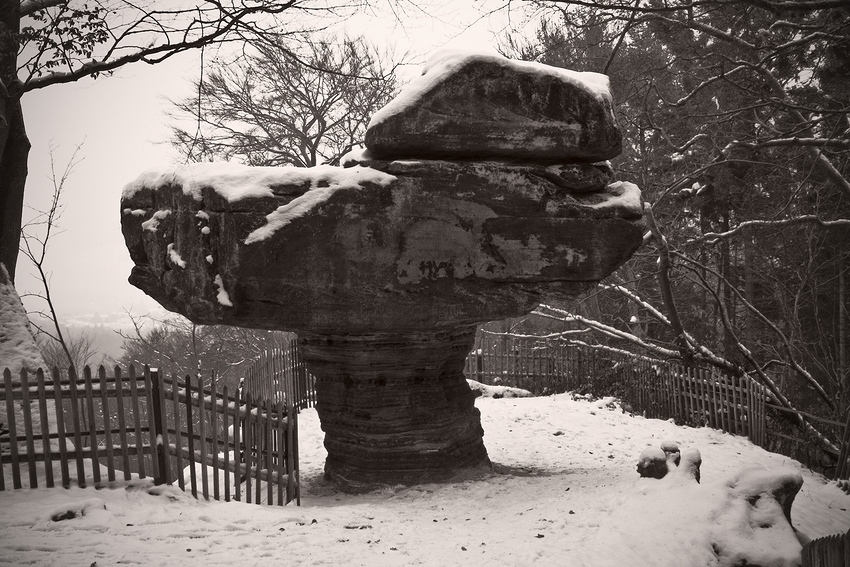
x=153, y=223
x=205, y=230
x=174, y=256
x=17, y=345
x=202, y=215
x=305, y=203
x=356, y=155
x=235, y=181
x=209, y=259
x=556, y=498
x=621, y=194
x=488, y=391
x=135, y=212
x=222, y=296
x=444, y=62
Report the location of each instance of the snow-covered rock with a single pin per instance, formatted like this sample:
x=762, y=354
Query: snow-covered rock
x=472, y=104
x=488, y=391
x=17, y=345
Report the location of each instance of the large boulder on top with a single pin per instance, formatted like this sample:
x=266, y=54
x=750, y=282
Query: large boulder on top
x=476, y=105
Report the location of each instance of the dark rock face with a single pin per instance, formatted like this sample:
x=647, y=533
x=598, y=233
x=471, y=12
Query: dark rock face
x=489, y=106
x=395, y=407
x=385, y=267
x=410, y=246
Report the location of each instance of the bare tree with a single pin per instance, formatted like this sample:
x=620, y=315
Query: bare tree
x=35, y=239
x=197, y=350
x=736, y=121
x=48, y=42
x=282, y=107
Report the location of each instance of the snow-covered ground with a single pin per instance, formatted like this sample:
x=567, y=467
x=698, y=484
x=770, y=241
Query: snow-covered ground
x=564, y=492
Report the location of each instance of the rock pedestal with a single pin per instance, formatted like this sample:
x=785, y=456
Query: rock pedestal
x=385, y=266
x=395, y=407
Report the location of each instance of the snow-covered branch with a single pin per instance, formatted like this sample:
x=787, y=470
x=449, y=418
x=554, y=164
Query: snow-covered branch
x=714, y=237
x=795, y=142
x=551, y=312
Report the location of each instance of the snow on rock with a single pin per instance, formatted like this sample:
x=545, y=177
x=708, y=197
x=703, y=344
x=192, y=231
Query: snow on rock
x=174, y=256
x=235, y=182
x=468, y=104
x=152, y=224
x=620, y=195
x=17, y=346
x=348, y=178
x=222, y=296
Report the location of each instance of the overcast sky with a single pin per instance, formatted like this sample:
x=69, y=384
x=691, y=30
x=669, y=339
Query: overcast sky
x=121, y=124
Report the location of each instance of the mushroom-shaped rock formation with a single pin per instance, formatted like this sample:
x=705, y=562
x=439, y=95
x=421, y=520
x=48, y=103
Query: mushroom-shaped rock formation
x=384, y=268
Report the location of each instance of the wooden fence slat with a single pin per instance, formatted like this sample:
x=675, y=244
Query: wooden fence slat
x=202, y=430
x=75, y=418
x=157, y=411
x=28, y=432
x=842, y=469
x=137, y=423
x=122, y=424
x=269, y=452
x=148, y=393
x=237, y=443
x=190, y=430
x=13, y=434
x=60, y=431
x=736, y=416
x=174, y=392
x=107, y=425
x=248, y=433
x=258, y=443
x=226, y=448
x=45, y=429
x=214, y=427
x=92, y=425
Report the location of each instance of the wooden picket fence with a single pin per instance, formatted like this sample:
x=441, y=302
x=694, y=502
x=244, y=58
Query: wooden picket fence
x=654, y=388
x=217, y=443
x=831, y=551
x=280, y=374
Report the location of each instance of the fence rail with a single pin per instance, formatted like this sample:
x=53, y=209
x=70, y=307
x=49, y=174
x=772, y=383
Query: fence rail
x=658, y=389
x=235, y=444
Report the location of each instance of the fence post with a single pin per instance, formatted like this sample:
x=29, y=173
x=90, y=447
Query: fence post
x=160, y=460
x=842, y=470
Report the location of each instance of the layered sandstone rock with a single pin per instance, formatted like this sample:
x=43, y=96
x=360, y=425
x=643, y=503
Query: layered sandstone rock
x=484, y=105
x=384, y=267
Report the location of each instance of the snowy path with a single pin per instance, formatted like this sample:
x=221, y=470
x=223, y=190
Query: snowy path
x=565, y=492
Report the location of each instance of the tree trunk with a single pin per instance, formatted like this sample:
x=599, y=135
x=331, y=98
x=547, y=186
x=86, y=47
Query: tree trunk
x=14, y=144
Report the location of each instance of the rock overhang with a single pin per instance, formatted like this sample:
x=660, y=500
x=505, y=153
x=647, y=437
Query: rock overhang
x=356, y=245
